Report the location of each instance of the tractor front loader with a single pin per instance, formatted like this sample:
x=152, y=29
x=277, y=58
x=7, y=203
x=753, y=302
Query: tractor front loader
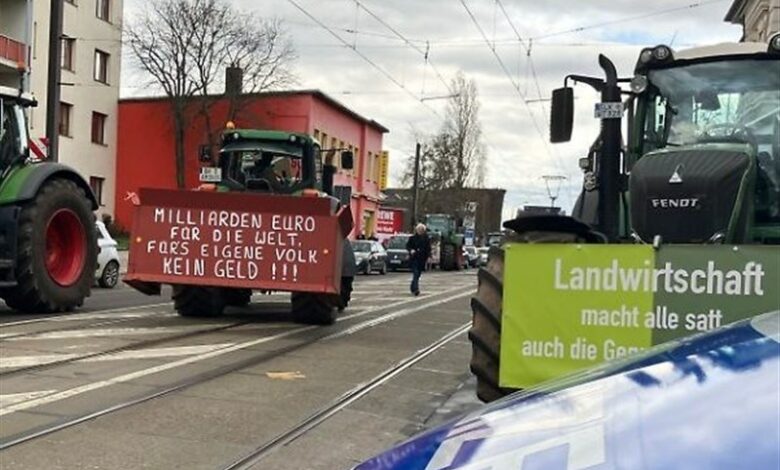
x=264, y=219
x=700, y=168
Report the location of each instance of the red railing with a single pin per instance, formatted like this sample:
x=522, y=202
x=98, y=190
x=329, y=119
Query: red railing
x=12, y=50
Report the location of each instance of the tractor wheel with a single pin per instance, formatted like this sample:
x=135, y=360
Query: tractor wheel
x=237, y=297
x=346, y=293
x=110, y=275
x=485, y=332
x=197, y=301
x=313, y=309
x=487, y=312
x=449, y=260
x=56, y=250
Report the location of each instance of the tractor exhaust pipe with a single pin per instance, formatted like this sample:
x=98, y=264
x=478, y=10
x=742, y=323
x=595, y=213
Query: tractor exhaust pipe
x=610, y=184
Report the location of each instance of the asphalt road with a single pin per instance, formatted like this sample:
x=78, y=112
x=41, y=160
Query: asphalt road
x=126, y=383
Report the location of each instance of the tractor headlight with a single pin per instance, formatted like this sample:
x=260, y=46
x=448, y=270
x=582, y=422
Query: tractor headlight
x=774, y=44
x=661, y=53
x=638, y=84
x=646, y=56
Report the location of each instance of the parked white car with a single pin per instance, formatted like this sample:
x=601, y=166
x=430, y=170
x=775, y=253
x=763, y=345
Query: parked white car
x=107, y=273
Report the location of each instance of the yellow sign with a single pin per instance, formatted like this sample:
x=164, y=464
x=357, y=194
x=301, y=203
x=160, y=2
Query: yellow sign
x=384, y=163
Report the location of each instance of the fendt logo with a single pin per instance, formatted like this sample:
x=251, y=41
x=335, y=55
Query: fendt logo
x=675, y=203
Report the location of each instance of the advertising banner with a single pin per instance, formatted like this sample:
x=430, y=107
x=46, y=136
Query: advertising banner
x=389, y=222
x=567, y=307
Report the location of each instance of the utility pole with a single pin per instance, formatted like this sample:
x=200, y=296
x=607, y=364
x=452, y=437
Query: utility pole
x=54, y=73
x=416, y=184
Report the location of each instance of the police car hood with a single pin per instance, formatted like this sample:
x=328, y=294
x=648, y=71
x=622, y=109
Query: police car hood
x=707, y=401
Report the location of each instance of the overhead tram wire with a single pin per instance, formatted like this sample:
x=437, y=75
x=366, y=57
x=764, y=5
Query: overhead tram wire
x=365, y=58
x=423, y=52
x=516, y=86
x=527, y=45
x=629, y=18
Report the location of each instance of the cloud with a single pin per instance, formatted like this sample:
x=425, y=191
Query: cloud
x=518, y=156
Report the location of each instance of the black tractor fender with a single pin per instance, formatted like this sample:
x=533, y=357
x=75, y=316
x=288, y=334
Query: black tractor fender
x=44, y=172
x=348, y=268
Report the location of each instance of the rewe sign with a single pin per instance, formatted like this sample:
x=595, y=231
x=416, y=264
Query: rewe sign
x=389, y=222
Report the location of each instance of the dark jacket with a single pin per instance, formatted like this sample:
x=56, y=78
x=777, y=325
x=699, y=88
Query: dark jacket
x=421, y=244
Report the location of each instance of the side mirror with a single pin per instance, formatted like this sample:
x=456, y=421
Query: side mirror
x=204, y=154
x=347, y=160
x=561, y=115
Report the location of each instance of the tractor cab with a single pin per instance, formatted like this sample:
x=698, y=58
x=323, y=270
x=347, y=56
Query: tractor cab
x=13, y=127
x=701, y=162
x=269, y=161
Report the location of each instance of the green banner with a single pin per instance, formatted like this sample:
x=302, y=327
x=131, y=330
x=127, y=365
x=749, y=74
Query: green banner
x=567, y=307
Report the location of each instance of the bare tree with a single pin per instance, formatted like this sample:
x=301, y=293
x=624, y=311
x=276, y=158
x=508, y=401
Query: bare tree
x=186, y=45
x=454, y=158
x=463, y=127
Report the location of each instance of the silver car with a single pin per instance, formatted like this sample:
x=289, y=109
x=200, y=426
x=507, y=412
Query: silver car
x=107, y=272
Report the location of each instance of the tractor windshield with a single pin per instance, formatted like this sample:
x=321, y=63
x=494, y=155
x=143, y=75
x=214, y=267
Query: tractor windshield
x=736, y=101
x=13, y=134
x=438, y=224
x=264, y=166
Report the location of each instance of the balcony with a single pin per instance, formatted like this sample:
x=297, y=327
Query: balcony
x=12, y=53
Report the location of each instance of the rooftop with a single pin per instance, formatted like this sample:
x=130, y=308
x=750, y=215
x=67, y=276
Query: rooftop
x=269, y=94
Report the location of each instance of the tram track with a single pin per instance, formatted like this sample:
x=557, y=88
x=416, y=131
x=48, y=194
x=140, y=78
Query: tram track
x=314, y=420
x=311, y=335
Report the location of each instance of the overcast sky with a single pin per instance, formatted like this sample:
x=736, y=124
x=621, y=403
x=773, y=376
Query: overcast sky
x=518, y=156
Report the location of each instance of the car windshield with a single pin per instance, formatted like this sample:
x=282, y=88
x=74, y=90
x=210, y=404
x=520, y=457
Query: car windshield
x=397, y=243
x=723, y=100
x=361, y=246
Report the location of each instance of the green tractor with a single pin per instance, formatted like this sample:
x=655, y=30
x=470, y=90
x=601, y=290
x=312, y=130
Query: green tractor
x=276, y=173
x=48, y=248
x=444, y=231
x=700, y=165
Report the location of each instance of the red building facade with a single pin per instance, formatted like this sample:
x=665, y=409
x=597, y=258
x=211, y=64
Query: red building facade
x=146, y=144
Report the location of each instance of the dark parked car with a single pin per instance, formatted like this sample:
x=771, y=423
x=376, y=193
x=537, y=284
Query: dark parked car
x=370, y=256
x=397, y=256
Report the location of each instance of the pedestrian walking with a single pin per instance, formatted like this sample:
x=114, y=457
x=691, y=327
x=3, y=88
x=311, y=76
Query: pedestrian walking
x=419, y=248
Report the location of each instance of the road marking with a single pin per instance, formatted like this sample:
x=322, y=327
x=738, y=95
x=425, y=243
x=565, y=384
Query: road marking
x=13, y=398
x=78, y=316
x=94, y=332
x=395, y=315
x=219, y=352
x=7, y=362
x=177, y=351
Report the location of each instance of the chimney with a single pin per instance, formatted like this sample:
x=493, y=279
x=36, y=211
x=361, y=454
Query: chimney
x=234, y=80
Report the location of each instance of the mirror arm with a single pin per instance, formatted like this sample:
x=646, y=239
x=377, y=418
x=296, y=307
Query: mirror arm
x=595, y=83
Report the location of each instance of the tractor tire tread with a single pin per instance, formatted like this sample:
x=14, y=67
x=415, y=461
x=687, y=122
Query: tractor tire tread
x=198, y=301
x=35, y=291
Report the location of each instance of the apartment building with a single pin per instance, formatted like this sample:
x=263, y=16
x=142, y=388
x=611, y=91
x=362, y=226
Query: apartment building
x=90, y=66
x=760, y=19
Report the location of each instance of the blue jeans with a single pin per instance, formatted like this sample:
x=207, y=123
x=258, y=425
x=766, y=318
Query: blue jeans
x=416, y=273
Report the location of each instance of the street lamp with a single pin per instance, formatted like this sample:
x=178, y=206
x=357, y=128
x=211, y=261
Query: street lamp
x=552, y=180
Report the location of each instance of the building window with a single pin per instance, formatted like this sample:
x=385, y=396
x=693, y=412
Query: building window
x=96, y=183
x=65, y=114
x=101, y=66
x=103, y=9
x=369, y=166
x=99, y=128
x=68, y=44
